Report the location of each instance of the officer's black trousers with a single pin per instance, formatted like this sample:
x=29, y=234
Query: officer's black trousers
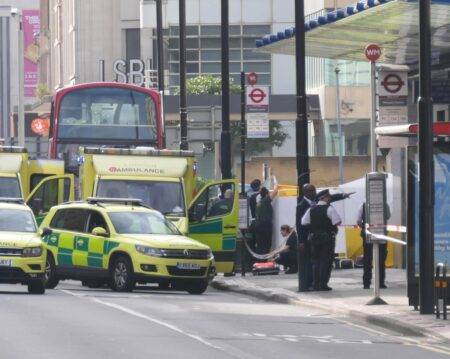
x=322, y=253
x=368, y=259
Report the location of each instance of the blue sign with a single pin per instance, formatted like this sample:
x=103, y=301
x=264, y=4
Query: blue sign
x=441, y=210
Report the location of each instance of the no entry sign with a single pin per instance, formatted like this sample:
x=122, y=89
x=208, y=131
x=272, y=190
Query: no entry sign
x=372, y=52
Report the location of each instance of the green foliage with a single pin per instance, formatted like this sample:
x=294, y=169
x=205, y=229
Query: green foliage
x=42, y=91
x=207, y=85
x=254, y=146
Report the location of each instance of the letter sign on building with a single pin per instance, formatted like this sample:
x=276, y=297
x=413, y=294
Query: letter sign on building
x=135, y=75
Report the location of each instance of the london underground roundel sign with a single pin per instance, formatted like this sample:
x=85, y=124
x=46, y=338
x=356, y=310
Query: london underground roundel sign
x=372, y=52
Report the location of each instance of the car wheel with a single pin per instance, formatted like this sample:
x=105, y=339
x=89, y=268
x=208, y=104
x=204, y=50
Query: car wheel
x=36, y=287
x=50, y=278
x=121, y=275
x=197, y=287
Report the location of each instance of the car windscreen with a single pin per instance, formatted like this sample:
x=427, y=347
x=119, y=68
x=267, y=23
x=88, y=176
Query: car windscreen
x=10, y=187
x=142, y=223
x=16, y=220
x=165, y=197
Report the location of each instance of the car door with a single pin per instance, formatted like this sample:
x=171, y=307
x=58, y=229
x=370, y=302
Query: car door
x=51, y=191
x=213, y=220
x=96, y=244
x=68, y=238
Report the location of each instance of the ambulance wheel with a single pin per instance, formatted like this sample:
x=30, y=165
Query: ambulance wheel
x=121, y=275
x=36, y=287
x=197, y=287
x=50, y=279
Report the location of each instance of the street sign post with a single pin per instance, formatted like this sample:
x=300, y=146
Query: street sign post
x=373, y=53
x=257, y=111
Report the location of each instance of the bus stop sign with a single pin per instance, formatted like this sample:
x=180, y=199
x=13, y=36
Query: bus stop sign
x=372, y=52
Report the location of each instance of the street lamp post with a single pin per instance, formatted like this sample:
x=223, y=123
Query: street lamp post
x=226, y=135
x=426, y=166
x=339, y=126
x=16, y=13
x=301, y=123
x=160, y=45
x=184, y=145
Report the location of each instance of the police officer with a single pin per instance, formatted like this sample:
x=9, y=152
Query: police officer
x=368, y=250
x=322, y=221
x=308, y=199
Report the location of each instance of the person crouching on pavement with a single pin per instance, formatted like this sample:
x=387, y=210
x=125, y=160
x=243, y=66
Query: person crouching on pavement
x=322, y=220
x=287, y=255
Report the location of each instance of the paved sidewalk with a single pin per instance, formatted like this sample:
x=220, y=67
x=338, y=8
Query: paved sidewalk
x=347, y=298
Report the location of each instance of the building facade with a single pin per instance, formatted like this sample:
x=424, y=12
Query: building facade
x=91, y=40
x=9, y=79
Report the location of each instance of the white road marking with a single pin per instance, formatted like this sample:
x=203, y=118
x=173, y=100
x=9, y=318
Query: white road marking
x=148, y=318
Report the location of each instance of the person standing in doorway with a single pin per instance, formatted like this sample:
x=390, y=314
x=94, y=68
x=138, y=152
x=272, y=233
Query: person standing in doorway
x=322, y=221
x=263, y=222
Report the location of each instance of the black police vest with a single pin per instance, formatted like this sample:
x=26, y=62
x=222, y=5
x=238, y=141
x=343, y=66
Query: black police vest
x=320, y=222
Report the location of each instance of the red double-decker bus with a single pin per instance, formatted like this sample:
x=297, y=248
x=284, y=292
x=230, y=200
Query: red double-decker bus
x=104, y=114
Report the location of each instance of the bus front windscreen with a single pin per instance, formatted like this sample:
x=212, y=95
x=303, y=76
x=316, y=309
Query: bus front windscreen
x=165, y=197
x=107, y=114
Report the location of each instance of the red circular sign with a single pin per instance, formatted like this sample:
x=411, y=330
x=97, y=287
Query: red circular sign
x=40, y=126
x=257, y=95
x=252, y=78
x=372, y=52
x=392, y=83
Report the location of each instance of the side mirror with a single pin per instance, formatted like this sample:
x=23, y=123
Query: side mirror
x=100, y=232
x=198, y=212
x=46, y=231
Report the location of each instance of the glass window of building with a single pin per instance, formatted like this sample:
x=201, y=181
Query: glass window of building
x=133, y=44
x=203, y=55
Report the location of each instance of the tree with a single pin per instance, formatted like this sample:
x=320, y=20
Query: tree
x=254, y=146
x=207, y=85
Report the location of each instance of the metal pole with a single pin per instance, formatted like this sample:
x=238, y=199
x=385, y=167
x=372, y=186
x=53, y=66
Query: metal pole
x=20, y=102
x=339, y=126
x=243, y=134
x=226, y=135
x=426, y=166
x=301, y=123
x=160, y=45
x=159, y=34
x=373, y=122
x=101, y=70
x=184, y=145
x=373, y=161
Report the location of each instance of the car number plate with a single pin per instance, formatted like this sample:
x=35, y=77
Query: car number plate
x=188, y=266
x=5, y=262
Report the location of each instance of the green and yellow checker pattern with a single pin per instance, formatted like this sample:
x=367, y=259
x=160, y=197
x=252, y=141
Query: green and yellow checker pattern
x=70, y=249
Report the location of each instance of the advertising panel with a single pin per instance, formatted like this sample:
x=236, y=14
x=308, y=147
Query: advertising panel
x=31, y=26
x=441, y=209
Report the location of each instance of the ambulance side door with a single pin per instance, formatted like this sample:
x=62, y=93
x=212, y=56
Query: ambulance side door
x=50, y=192
x=213, y=220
